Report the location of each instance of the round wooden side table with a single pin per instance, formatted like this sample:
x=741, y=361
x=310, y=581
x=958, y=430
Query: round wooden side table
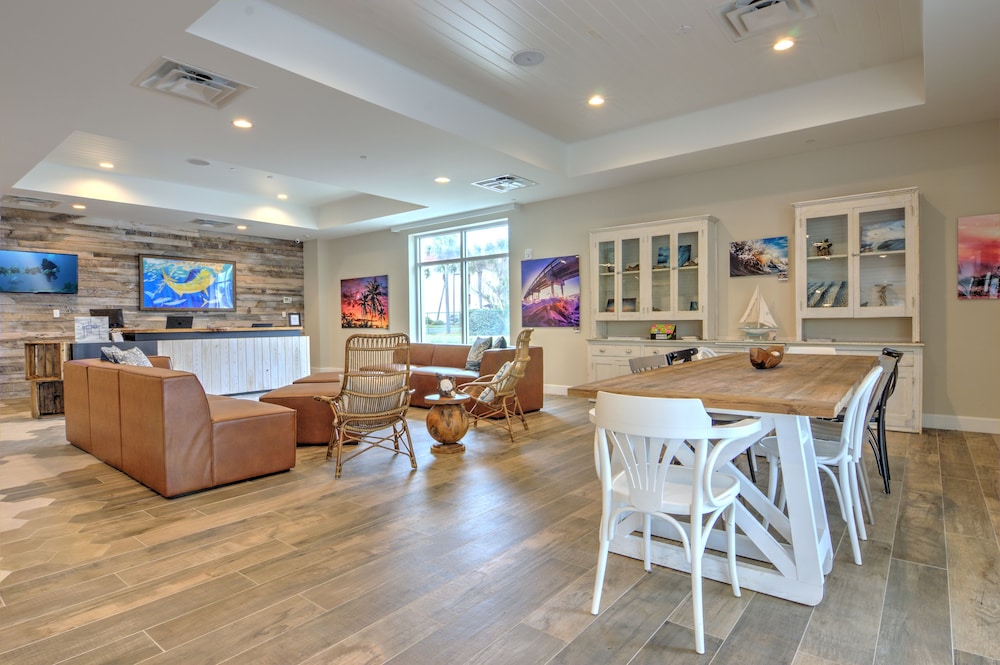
x=447, y=423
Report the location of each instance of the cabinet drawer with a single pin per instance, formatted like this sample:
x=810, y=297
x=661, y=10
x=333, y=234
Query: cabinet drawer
x=616, y=351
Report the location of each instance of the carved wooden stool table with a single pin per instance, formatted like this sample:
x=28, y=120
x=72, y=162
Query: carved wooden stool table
x=447, y=423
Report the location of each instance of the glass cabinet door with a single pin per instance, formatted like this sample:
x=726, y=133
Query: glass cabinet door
x=881, y=261
x=827, y=265
x=688, y=286
x=607, y=273
x=660, y=273
x=631, y=268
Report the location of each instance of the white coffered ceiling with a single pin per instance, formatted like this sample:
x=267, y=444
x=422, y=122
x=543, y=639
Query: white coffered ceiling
x=358, y=105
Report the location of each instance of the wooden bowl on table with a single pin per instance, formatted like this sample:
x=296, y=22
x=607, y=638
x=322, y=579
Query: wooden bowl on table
x=767, y=358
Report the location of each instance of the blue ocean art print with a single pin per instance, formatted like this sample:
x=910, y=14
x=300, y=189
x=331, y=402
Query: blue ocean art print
x=765, y=256
x=170, y=283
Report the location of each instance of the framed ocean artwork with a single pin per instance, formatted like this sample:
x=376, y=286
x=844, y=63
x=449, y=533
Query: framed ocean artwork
x=171, y=283
x=979, y=257
x=550, y=292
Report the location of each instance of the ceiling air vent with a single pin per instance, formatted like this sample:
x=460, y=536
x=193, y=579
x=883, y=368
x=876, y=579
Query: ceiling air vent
x=505, y=183
x=748, y=18
x=198, y=85
x=14, y=201
x=210, y=223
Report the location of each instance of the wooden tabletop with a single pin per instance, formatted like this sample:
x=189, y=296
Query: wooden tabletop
x=805, y=385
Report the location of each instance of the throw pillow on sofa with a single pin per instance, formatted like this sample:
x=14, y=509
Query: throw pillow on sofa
x=500, y=342
x=111, y=354
x=134, y=356
x=479, y=347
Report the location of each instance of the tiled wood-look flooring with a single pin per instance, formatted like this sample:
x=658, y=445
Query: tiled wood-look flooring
x=486, y=557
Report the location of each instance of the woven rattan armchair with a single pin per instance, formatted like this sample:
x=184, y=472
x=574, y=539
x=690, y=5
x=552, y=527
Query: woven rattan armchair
x=374, y=397
x=494, y=395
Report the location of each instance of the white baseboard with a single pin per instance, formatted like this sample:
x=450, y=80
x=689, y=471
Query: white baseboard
x=553, y=389
x=963, y=423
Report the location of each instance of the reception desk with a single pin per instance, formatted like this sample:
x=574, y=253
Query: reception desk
x=230, y=361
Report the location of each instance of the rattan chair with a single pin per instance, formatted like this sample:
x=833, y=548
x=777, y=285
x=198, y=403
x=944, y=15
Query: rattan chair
x=374, y=397
x=494, y=395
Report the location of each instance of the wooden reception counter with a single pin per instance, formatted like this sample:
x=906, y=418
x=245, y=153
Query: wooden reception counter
x=229, y=361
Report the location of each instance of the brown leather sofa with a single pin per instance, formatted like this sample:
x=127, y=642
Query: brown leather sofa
x=158, y=426
x=429, y=360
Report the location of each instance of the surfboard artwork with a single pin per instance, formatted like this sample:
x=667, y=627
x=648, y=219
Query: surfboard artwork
x=172, y=283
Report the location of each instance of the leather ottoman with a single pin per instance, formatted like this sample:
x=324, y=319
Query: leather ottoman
x=314, y=423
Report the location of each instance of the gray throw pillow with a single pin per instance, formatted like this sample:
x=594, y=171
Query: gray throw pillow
x=475, y=358
x=111, y=354
x=134, y=356
x=500, y=342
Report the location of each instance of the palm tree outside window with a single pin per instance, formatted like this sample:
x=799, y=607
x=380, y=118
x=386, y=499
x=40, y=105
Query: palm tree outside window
x=463, y=284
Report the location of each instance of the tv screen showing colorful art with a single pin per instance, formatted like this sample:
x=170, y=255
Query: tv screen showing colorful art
x=37, y=272
x=173, y=283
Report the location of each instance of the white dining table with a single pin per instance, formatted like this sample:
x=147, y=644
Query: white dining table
x=791, y=556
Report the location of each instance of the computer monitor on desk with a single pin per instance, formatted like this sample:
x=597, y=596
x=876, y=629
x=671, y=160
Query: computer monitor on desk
x=176, y=321
x=115, y=317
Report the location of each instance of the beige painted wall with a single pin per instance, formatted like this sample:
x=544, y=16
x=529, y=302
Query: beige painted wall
x=957, y=171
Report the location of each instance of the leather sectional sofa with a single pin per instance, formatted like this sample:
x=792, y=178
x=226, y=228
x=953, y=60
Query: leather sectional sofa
x=158, y=426
x=429, y=360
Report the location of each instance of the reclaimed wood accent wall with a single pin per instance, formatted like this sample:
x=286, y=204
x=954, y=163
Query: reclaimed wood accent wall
x=267, y=271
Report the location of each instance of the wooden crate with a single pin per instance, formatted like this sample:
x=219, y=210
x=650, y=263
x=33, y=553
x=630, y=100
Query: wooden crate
x=46, y=398
x=44, y=360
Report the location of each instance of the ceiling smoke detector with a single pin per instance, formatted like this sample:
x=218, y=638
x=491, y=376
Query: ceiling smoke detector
x=193, y=83
x=505, y=183
x=15, y=201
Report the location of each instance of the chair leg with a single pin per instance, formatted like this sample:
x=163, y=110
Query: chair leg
x=772, y=482
x=883, y=452
x=647, y=522
x=847, y=508
x=866, y=496
x=856, y=499
x=602, y=564
x=730, y=518
x=696, y=599
x=752, y=463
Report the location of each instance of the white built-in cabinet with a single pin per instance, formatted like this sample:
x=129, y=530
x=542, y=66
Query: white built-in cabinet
x=656, y=271
x=856, y=257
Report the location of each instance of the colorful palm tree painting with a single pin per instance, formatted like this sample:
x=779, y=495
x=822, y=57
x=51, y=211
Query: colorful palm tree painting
x=364, y=302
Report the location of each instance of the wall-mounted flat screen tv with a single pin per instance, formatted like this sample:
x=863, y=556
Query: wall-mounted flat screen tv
x=37, y=272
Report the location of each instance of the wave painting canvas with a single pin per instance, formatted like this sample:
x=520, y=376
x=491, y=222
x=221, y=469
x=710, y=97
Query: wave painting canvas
x=979, y=257
x=172, y=283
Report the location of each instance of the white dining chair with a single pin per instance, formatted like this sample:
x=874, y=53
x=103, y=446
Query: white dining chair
x=645, y=434
x=842, y=453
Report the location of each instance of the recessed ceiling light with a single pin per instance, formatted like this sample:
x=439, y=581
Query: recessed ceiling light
x=79, y=206
x=194, y=161
x=242, y=123
x=784, y=44
x=442, y=180
x=282, y=196
x=106, y=165
x=241, y=227
x=596, y=100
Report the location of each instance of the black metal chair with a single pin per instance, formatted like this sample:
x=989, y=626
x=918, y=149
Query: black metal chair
x=876, y=426
x=681, y=356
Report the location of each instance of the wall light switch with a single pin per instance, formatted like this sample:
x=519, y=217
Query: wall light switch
x=287, y=300
x=284, y=315
x=55, y=314
x=527, y=254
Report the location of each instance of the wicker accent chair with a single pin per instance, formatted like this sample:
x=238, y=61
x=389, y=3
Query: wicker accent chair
x=374, y=397
x=494, y=395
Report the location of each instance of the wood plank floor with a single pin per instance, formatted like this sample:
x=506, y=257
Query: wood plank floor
x=484, y=558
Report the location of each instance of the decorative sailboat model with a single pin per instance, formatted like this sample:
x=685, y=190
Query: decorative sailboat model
x=757, y=321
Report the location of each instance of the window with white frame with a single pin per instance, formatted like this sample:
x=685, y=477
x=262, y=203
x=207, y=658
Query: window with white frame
x=463, y=284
